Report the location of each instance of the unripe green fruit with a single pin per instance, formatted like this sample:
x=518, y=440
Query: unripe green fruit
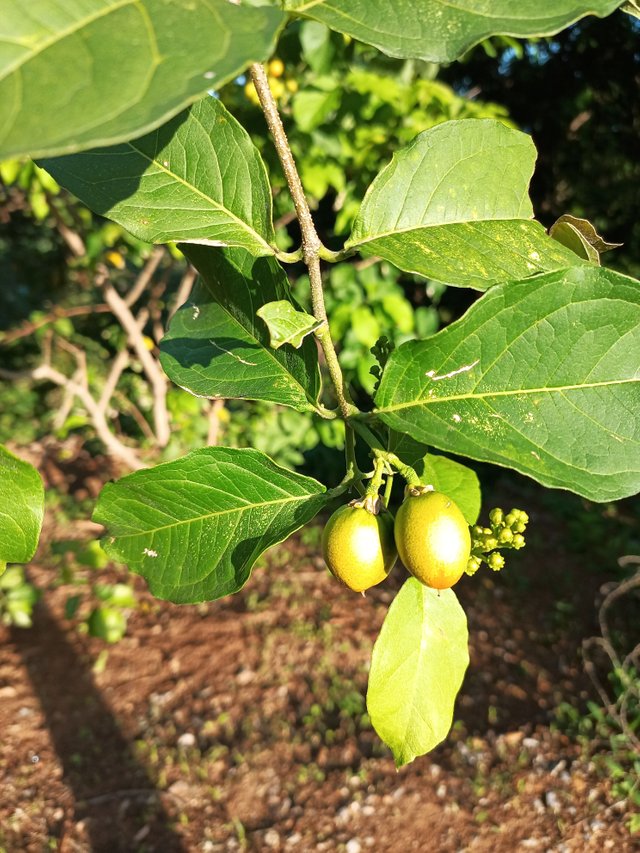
x=433, y=539
x=358, y=546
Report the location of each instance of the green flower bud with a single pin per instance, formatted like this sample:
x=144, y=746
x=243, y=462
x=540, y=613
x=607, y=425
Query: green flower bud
x=505, y=536
x=518, y=541
x=473, y=565
x=496, y=516
x=495, y=561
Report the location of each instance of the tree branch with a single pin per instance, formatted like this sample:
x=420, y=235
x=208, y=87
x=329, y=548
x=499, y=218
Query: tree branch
x=311, y=243
x=49, y=374
x=150, y=366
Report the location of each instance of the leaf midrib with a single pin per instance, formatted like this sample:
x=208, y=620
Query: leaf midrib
x=512, y=392
x=238, y=509
x=212, y=202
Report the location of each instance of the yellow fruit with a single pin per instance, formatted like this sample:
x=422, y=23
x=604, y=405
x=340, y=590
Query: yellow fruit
x=433, y=539
x=358, y=546
x=275, y=68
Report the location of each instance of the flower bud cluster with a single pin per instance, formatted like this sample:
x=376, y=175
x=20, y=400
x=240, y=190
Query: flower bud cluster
x=505, y=532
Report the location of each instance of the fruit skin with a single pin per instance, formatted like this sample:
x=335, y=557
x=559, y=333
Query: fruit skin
x=433, y=539
x=358, y=546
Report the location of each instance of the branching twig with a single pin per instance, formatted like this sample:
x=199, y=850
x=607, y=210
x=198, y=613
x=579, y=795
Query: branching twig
x=58, y=313
x=183, y=292
x=150, y=366
x=145, y=276
x=311, y=244
x=49, y=374
x=618, y=710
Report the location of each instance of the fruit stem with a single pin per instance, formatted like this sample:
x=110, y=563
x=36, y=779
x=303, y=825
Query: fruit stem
x=376, y=481
x=394, y=461
x=350, y=457
x=311, y=243
x=387, y=491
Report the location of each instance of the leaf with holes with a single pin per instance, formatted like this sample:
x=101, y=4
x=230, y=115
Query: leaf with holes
x=84, y=73
x=195, y=527
x=542, y=376
x=216, y=346
x=198, y=179
x=454, y=206
x=417, y=667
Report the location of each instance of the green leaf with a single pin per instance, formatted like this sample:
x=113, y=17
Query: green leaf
x=581, y=237
x=216, y=347
x=198, y=179
x=542, y=376
x=453, y=479
x=454, y=206
x=96, y=72
x=632, y=7
x=417, y=668
x=439, y=30
x=285, y=324
x=312, y=107
x=195, y=527
x=21, y=508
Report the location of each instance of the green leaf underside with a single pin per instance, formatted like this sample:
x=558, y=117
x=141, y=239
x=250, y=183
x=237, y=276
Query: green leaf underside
x=21, y=509
x=197, y=179
x=542, y=376
x=195, y=527
x=572, y=238
x=590, y=239
x=96, y=72
x=454, y=206
x=439, y=30
x=453, y=479
x=217, y=347
x=285, y=324
x=417, y=668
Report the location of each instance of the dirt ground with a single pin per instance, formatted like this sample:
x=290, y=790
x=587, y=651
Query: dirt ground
x=240, y=725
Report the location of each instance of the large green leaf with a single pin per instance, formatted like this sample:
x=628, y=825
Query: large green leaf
x=454, y=206
x=417, y=667
x=439, y=30
x=542, y=376
x=216, y=346
x=21, y=509
x=195, y=527
x=199, y=178
x=83, y=73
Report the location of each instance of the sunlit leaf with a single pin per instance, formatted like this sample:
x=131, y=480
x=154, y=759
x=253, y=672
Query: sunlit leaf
x=86, y=73
x=195, y=527
x=417, y=667
x=542, y=376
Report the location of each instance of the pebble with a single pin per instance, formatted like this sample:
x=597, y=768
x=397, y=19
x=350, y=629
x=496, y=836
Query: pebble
x=294, y=839
x=552, y=801
x=353, y=846
x=187, y=740
x=272, y=838
x=530, y=743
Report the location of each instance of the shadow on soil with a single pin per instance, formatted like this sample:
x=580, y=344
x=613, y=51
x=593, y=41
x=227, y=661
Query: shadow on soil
x=113, y=793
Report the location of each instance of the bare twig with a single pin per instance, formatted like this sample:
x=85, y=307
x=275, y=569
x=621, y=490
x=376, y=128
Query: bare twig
x=214, y=422
x=150, y=366
x=618, y=709
x=58, y=313
x=49, y=374
x=183, y=292
x=145, y=276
